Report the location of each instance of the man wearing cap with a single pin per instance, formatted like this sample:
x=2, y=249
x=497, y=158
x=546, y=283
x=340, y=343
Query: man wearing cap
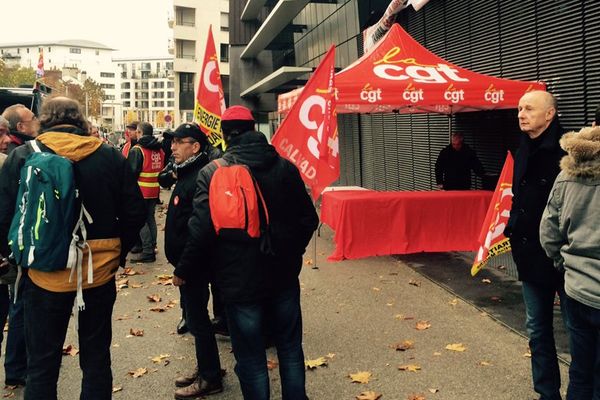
x=190, y=153
x=256, y=285
x=147, y=159
x=130, y=137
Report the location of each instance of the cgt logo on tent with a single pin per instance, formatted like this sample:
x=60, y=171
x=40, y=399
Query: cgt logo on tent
x=369, y=94
x=412, y=94
x=493, y=95
x=454, y=95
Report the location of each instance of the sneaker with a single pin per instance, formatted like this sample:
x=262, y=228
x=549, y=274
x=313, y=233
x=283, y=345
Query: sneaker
x=144, y=258
x=199, y=388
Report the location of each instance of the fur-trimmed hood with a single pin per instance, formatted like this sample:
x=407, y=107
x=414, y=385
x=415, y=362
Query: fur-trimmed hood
x=583, y=148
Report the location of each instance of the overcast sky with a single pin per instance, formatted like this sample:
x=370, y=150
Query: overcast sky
x=133, y=27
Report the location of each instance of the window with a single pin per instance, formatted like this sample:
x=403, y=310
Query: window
x=186, y=91
x=185, y=49
x=75, y=50
x=126, y=104
x=126, y=95
x=107, y=85
x=109, y=97
x=225, y=21
x=185, y=16
x=170, y=84
x=18, y=51
x=170, y=104
x=97, y=52
x=28, y=50
x=170, y=95
x=224, y=52
x=107, y=74
x=169, y=65
x=146, y=66
x=126, y=85
x=49, y=49
x=145, y=74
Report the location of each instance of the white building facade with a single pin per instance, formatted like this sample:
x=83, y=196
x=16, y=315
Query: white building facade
x=190, y=22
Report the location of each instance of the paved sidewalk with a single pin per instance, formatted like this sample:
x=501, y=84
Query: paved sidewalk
x=355, y=312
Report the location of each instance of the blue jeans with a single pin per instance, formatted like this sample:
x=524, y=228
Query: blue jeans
x=246, y=327
x=149, y=231
x=194, y=296
x=539, y=308
x=47, y=317
x=584, y=343
x=15, y=361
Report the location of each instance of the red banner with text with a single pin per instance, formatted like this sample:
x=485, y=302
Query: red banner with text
x=308, y=136
x=210, y=99
x=492, y=239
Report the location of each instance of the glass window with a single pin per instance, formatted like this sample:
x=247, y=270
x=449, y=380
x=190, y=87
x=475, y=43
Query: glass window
x=107, y=74
x=225, y=21
x=75, y=50
x=224, y=52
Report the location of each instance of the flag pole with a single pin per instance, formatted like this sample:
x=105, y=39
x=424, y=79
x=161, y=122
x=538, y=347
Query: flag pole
x=315, y=265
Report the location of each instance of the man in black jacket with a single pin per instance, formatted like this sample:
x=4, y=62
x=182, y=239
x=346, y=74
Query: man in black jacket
x=454, y=164
x=190, y=153
x=255, y=284
x=536, y=168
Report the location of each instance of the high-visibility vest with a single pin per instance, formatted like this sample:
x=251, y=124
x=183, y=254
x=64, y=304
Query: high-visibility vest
x=148, y=179
x=126, y=148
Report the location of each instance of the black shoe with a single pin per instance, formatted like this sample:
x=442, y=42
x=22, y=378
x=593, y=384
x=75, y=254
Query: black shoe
x=182, y=327
x=219, y=327
x=144, y=258
x=14, y=382
x=136, y=250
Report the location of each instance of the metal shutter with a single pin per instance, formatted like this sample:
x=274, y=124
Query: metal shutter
x=368, y=157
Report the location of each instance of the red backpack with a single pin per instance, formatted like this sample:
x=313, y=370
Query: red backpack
x=237, y=207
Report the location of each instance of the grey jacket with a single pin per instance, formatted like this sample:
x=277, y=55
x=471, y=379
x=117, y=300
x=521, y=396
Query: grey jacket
x=570, y=226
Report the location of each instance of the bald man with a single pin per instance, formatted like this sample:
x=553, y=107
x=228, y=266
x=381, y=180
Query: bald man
x=536, y=168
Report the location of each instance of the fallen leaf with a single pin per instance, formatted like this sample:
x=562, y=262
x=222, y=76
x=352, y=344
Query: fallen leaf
x=370, y=395
x=403, y=317
x=486, y=280
x=422, y=325
x=69, y=350
x=312, y=364
x=416, y=397
x=136, y=285
x=116, y=389
x=154, y=298
x=409, y=368
x=8, y=395
x=414, y=283
x=433, y=390
x=123, y=317
x=309, y=262
x=136, y=332
x=361, y=377
x=405, y=345
x=138, y=372
x=122, y=283
x=453, y=302
x=485, y=363
x=130, y=272
x=172, y=303
x=158, y=309
x=330, y=355
x=272, y=364
x=456, y=347
x=376, y=289
x=437, y=353
x=528, y=354
x=159, y=358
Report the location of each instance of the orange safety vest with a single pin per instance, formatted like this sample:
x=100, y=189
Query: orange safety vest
x=126, y=148
x=148, y=179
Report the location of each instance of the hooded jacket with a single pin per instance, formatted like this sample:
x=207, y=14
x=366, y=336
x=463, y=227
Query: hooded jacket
x=241, y=271
x=569, y=230
x=107, y=188
x=536, y=167
x=135, y=156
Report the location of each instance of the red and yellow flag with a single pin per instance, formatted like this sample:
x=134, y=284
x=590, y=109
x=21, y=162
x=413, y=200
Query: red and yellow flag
x=308, y=136
x=210, y=99
x=492, y=239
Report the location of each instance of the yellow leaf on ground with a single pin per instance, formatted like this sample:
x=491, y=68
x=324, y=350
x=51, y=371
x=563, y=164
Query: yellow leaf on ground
x=416, y=397
x=158, y=309
x=453, y=302
x=311, y=364
x=136, y=332
x=405, y=345
x=528, y=354
x=403, y=317
x=456, y=347
x=159, y=358
x=136, y=285
x=369, y=395
x=154, y=298
x=414, y=283
x=422, y=325
x=330, y=355
x=433, y=390
x=409, y=368
x=376, y=289
x=361, y=377
x=138, y=372
x=485, y=363
x=116, y=389
x=437, y=353
x=309, y=262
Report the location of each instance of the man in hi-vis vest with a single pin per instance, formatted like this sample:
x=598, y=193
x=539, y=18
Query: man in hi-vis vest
x=146, y=159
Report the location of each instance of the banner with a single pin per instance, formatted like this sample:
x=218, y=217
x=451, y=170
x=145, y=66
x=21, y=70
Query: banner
x=39, y=72
x=210, y=99
x=492, y=239
x=308, y=136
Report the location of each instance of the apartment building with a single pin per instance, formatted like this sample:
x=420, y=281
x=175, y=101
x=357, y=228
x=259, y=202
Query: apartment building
x=190, y=22
x=147, y=90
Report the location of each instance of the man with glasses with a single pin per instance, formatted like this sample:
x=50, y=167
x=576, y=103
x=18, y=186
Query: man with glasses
x=191, y=152
x=23, y=125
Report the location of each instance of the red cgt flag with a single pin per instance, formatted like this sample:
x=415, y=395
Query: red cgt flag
x=308, y=136
x=210, y=99
x=492, y=239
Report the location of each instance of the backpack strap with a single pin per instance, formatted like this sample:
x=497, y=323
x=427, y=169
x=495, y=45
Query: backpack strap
x=36, y=147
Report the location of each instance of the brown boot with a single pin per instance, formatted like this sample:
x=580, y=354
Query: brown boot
x=198, y=389
x=188, y=379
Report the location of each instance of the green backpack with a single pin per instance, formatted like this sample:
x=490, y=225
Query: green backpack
x=47, y=232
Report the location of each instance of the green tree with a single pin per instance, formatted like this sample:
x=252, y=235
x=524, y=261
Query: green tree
x=16, y=76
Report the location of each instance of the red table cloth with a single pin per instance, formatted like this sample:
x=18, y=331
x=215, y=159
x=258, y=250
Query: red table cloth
x=370, y=223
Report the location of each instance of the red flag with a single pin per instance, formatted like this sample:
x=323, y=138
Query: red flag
x=492, y=239
x=210, y=99
x=308, y=136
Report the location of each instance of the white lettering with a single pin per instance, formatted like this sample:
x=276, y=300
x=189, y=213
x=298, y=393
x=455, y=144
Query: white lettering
x=371, y=95
x=494, y=97
x=440, y=74
x=413, y=95
x=454, y=96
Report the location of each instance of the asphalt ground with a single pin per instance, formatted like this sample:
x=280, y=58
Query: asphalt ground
x=356, y=313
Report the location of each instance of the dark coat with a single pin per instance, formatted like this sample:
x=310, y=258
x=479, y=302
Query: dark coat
x=242, y=272
x=453, y=167
x=135, y=156
x=536, y=168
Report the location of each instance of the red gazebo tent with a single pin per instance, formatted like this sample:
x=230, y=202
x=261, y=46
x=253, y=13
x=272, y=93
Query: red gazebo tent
x=399, y=74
